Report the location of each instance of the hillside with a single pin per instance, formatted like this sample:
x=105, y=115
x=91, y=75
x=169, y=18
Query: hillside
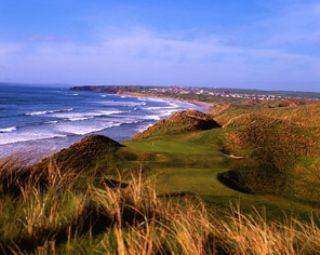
x=280, y=147
x=304, y=114
x=82, y=155
x=180, y=122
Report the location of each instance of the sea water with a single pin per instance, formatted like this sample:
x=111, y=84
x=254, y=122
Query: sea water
x=44, y=120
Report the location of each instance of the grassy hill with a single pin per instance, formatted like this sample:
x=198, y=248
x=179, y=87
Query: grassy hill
x=180, y=122
x=280, y=147
x=306, y=114
x=81, y=156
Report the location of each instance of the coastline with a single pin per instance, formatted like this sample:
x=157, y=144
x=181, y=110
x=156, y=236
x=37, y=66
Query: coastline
x=55, y=143
x=207, y=106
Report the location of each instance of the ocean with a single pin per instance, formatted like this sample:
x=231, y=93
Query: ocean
x=45, y=120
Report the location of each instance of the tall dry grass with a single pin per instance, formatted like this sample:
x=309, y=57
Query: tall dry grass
x=73, y=216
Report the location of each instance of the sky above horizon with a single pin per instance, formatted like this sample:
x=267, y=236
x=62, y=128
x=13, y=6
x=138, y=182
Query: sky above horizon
x=256, y=44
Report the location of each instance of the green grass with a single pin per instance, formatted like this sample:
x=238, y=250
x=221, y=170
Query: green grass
x=190, y=163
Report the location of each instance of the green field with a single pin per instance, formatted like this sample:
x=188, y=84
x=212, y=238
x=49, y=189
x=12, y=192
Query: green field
x=189, y=164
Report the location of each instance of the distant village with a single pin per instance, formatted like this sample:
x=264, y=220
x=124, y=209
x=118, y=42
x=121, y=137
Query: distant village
x=229, y=93
x=178, y=91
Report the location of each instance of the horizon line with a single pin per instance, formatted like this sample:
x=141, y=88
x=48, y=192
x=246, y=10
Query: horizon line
x=150, y=85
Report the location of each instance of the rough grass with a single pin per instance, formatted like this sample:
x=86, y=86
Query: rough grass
x=81, y=156
x=304, y=114
x=190, y=164
x=98, y=219
x=292, y=146
x=280, y=147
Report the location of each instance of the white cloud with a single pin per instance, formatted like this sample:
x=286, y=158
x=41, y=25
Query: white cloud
x=8, y=48
x=267, y=59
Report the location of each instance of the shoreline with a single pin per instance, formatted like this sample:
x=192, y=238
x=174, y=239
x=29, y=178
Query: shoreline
x=56, y=143
x=207, y=106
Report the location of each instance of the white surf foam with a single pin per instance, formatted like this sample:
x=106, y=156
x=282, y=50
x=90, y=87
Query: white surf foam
x=85, y=129
x=166, y=113
x=37, y=113
x=51, y=122
x=150, y=117
x=77, y=116
x=118, y=103
x=156, y=108
x=5, y=138
x=143, y=99
x=8, y=129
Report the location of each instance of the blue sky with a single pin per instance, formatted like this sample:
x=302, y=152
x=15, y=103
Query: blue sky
x=260, y=44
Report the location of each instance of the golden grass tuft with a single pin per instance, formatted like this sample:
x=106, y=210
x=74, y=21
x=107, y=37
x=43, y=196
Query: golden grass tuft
x=99, y=219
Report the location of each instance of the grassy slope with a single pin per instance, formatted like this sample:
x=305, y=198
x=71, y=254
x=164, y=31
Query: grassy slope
x=189, y=163
x=304, y=114
x=305, y=175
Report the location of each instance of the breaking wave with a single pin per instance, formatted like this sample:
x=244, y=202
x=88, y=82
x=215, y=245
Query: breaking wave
x=37, y=113
x=8, y=129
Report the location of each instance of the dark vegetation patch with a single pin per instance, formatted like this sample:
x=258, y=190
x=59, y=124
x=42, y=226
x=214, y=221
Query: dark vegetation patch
x=232, y=180
x=177, y=194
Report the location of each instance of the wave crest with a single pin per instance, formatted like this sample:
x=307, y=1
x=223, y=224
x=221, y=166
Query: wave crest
x=37, y=113
x=8, y=129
